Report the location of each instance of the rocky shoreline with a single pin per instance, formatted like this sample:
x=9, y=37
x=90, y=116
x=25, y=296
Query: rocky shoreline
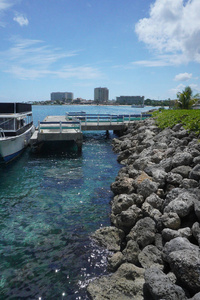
x=155, y=214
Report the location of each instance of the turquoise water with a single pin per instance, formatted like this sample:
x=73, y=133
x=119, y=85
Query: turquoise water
x=49, y=206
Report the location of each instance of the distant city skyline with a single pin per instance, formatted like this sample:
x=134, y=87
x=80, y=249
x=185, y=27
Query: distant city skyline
x=146, y=47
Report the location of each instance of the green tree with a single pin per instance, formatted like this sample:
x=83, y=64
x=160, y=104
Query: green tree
x=186, y=99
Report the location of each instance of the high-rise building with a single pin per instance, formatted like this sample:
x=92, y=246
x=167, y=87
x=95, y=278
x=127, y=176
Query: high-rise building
x=62, y=96
x=101, y=95
x=136, y=100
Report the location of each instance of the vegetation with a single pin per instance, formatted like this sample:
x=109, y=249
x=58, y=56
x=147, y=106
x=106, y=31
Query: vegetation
x=186, y=98
x=151, y=102
x=190, y=119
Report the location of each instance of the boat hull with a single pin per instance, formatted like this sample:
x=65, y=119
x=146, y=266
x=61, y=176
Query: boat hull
x=11, y=147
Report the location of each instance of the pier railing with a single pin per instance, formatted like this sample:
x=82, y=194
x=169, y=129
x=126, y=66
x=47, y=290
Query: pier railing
x=59, y=126
x=104, y=118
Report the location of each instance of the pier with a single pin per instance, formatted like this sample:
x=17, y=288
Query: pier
x=71, y=126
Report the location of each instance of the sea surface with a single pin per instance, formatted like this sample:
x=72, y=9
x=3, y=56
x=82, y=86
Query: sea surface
x=50, y=204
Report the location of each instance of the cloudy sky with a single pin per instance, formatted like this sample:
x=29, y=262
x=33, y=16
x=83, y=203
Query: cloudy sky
x=133, y=47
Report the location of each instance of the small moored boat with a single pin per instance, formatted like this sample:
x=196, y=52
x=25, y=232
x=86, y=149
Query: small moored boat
x=16, y=129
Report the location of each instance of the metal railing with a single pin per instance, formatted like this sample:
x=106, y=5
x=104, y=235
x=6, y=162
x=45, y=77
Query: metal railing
x=2, y=133
x=60, y=126
x=104, y=118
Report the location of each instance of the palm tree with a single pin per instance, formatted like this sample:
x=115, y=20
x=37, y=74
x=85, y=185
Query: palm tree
x=186, y=99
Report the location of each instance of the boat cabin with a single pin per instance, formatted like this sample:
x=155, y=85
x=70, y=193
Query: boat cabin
x=15, y=118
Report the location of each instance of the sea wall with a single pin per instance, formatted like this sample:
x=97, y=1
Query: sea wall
x=155, y=215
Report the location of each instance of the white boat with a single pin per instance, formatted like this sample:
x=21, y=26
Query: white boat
x=138, y=106
x=16, y=129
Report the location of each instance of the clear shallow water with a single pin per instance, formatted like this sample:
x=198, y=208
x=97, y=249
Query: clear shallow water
x=49, y=206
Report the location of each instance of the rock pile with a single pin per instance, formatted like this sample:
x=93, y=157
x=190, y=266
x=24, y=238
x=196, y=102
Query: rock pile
x=155, y=240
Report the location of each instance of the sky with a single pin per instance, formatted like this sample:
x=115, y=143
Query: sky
x=147, y=48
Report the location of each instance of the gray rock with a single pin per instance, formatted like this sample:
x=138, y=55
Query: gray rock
x=150, y=256
x=149, y=211
x=127, y=219
x=155, y=201
x=186, y=266
x=141, y=163
x=196, y=297
x=173, y=194
x=109, y=237
x=143, y=232
x=189, y=183
x=131, y=252
x=123, y=186
x=177, y=244
x=182, y=170
x=147, y=187
x=159, y=241
x=195, y=173
x=133, y=173
x=171, y=220
x=115, y=261
x=161, y=287
x=177, y=127
x=196, y=160
x=169, y=234
x=166, y=164
x=182, y=205
x=174, y=179
x=196, y=231
x=182, y=159
x=123, y=201
x=159, y=175
x=197, y=209
x=126, y=283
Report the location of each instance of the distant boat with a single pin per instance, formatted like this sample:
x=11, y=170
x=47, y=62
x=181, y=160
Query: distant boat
x=138, y=106
x=16, y=129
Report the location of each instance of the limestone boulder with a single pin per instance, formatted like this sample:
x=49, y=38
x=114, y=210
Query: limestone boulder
x=155, y=201
x=131, y=252
x=196, y=231
x=115, y=261
x=195, y=173
x=147, y=187
x=171, y=220
x=143, y=232
x=186, y=266
x=126, y=283
x=109, y=237
x=127, y=218
x=182, y=170
x=123, y=202
x=150, y=256
x=161, y=287
x=123, y=186
x=169, y=234
x=182, y=159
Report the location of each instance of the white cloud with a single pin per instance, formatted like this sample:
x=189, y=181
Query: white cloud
x=5, y=4
x=195, y=88
x=177, y=89
x=183, y=77
x=173, y=27
x=31, y=59
x=21, y=20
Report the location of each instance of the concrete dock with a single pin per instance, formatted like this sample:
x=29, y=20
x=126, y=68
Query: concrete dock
x=56, y=129
x=70, y=127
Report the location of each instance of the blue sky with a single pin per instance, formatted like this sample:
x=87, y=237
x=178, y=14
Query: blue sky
x=149, y=48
